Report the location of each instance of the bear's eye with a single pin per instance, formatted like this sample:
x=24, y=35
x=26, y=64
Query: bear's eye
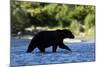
x=68, y=33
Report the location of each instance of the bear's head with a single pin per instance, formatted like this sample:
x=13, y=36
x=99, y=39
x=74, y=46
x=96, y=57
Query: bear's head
x=65, y=33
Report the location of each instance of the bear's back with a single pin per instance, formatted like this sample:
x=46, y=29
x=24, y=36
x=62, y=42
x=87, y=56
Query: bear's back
x=45, y=36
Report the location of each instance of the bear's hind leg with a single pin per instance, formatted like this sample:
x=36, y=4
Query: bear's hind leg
x=31, y=48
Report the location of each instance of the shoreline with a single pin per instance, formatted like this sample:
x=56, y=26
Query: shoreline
x=78, y=39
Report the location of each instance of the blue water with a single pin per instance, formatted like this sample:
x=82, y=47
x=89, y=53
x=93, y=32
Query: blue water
x=81, y=52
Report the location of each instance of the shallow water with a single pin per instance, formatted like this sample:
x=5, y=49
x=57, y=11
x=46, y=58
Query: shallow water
x=81, y=52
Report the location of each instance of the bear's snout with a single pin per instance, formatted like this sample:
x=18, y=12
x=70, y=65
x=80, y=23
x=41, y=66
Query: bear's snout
x=72, y=36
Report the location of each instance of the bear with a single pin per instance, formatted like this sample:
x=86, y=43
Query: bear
x=45, y=39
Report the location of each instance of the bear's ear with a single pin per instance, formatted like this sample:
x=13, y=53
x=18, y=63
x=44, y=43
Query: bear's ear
x=59, y=33
x=65, y=29
x=58, y=30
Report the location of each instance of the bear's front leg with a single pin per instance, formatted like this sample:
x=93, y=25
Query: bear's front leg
x=61, y=45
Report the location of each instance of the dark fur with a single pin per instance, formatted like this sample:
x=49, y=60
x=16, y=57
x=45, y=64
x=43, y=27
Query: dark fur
x=46, y=39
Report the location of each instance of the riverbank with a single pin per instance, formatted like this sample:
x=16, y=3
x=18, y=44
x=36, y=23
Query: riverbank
x=66, y=40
